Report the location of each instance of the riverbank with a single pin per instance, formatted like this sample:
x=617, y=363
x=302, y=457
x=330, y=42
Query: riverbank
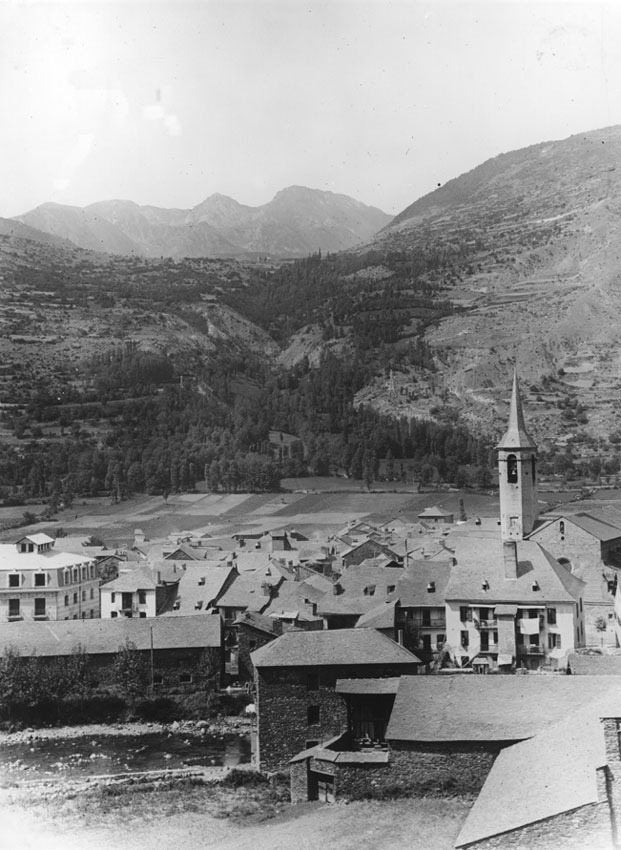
x=220, y=726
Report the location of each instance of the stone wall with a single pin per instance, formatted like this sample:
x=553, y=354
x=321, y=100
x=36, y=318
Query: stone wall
x=283, y=703
x=454, y=767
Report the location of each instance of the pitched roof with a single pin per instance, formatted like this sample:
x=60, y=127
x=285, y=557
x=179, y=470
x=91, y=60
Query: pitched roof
x=381, y=616
x=131, y=581
x=487, y=708
x=338, y=647
x=413, y=587
x=516, y=436
x=199, y=586
x=260, y=622
x=480, y=559
x=247, y=590
x=11, y=559
x=594, y=525
x=553, y=772
x=433, y=512
x=39, y=539
x=60, y=637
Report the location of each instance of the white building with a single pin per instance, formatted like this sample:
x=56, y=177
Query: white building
x=132, y=594
x=39, y=583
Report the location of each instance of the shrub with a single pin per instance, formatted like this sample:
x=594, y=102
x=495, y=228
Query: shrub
x=238, y=778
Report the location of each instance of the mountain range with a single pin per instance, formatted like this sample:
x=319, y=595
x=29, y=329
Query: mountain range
x=296, y=222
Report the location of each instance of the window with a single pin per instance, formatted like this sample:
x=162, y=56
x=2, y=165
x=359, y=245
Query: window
x=431, y=587
x=39, y=579
x=14, y=580
x=185, y=678
x=561, y=528
x=465, y=639
x=112, y=596
x=83, y=596
x=142, y=615
x=554, y=641
x=66, y=600
x=92, y=570
x=92, y=593
x=83, y=572
x=552, y=616
x=92, y=614
x=114, y=614
x=252, y=645
x=84, y=615
x=484, y=641
x=390, y=588
x=13, y=607
x=369, y=590
x=142, y=597
x=512, y=469
x=465, y=613
x=533, y=466
x=39, y=607
x=440, y=641
x=312, y=715
x=76, y=575
x=426, y=617
x=427, y=643
x=312, y=681
x=75, y=598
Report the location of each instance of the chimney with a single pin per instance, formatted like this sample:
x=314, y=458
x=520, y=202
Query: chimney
x=509, y=555
x=337, y=588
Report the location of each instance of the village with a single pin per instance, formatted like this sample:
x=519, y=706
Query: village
x=437, y=653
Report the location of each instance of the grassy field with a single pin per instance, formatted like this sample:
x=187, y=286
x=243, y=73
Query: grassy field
x=220, y=818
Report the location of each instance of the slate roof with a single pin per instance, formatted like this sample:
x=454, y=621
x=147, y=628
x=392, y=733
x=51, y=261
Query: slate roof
x=60, y=637
x=488, y=708
x=338, y=647
x=11, y=559
x=131, y=581
x=247, y=592
x=200, y=585
x=596, y=526
x=480, y=559
x=412, y=586
x=516, y=436
x=259, y=621
x=552, y=773
x=381, y=616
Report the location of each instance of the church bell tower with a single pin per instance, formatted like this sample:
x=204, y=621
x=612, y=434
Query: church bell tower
x=517, y=467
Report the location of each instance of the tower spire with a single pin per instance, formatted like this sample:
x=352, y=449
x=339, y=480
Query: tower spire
x=516, y=436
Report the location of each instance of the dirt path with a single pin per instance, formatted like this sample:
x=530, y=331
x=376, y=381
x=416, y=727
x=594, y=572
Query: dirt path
x=422, y=824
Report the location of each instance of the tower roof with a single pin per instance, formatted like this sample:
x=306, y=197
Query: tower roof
x=516, y=436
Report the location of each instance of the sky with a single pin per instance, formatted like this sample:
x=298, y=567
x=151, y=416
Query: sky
x=166, y=103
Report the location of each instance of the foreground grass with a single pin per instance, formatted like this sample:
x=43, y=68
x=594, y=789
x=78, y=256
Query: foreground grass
x=171, y=815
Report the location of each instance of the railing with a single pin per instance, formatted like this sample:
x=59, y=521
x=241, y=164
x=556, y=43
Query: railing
x=486, y=624
x=432, y=623
x=530, y=649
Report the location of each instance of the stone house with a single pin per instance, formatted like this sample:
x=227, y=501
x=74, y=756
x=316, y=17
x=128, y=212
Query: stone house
x=295, y=682
x=366, y=549
x=589, y=546
x=37, y=582
x=442, y=733
x=359, y=589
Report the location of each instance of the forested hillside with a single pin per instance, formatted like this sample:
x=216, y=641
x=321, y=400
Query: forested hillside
x=155, y=375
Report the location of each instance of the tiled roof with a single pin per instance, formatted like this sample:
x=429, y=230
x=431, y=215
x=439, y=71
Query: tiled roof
x=60, y=637
x=481, y=559
x=338, y=647
x=487, y=708
x=552, y=773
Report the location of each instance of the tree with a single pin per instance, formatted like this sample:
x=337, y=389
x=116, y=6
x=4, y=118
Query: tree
x=131, y=672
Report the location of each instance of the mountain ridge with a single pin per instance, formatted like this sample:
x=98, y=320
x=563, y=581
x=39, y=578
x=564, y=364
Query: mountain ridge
x=297, y=221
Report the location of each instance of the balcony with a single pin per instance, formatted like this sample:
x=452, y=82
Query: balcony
x=41, y=617
x=485, y=624
x=432, y=623
x=530, y=649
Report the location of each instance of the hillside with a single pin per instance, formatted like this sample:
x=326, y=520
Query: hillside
x=296, y=222
x=529, y=248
